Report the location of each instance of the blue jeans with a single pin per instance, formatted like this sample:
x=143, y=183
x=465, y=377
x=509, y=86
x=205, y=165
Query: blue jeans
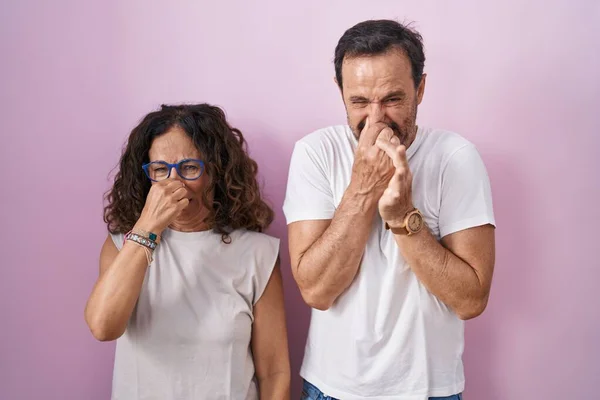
x=311, y=392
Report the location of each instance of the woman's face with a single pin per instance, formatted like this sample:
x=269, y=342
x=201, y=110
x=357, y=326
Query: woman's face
x=173, y=146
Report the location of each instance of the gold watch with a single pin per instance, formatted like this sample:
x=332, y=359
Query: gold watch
x=412, y=223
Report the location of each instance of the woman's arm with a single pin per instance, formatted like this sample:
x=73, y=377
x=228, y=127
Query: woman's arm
x=117, y=289
x=269, y=341
x=122, y=272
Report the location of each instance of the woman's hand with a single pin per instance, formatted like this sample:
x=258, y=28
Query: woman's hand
x=165, y=201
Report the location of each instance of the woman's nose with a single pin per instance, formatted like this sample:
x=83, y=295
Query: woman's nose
x=173, y=174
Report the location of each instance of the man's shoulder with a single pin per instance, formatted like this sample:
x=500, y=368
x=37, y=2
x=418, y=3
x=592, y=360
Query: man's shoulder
x=443, y=141
x=330, y=136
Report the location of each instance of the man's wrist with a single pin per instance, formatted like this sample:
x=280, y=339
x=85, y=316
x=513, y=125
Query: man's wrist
x=398, y=222
x=361, y=200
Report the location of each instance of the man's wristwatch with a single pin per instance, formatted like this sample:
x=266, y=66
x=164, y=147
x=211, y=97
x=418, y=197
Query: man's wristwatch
x=412, y=223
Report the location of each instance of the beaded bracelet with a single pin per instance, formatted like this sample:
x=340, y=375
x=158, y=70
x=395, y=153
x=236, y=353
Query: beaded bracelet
x=148, y=235
x=139, y=239
x=147, y=243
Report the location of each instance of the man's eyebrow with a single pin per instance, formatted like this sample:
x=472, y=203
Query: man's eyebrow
x=357, y=98
x=398, y=93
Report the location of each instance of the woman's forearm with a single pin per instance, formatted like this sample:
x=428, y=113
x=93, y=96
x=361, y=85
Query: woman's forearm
x=116, y=292
x=275, y=387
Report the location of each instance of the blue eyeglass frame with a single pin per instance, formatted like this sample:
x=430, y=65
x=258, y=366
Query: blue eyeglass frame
x=176, y=166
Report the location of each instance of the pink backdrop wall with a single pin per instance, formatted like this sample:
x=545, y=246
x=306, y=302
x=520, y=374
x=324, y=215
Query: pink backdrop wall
x=520, y=80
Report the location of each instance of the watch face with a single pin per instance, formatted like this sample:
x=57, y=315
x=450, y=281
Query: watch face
x=414, y=222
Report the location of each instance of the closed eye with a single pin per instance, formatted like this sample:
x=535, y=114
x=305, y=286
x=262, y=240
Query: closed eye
x=393, y=101
x=358, y=102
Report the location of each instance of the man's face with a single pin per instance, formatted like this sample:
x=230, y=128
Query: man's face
x=381, y=88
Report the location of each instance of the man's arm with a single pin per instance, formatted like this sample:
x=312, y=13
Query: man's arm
x=458, y=271
x=325, y=254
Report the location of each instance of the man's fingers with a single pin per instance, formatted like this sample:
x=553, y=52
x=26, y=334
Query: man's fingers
x=369, y=135
x=387, y=147
x=386, y=134
x=396, y=152
x=395, y=186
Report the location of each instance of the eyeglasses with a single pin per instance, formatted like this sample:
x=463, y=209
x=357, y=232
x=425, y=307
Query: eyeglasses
x=189, y=169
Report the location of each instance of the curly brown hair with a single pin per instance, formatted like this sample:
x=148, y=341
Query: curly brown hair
x=236, y=199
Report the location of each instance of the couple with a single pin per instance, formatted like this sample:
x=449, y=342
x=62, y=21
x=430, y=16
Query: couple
x=391, y=238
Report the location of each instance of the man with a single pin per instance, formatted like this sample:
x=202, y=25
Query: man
x=391, y=232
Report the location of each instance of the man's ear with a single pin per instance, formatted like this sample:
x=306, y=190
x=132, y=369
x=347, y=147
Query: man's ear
x=338, y=86
x=421, y=89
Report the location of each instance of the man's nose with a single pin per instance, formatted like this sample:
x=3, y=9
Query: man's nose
x=376, y=112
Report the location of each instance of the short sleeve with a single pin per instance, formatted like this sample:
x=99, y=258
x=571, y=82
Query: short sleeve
x=308, y=194
x=466, y=199
x=266, y=251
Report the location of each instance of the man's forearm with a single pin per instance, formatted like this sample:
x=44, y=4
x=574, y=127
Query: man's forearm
x=445, y=275
x=329, y=266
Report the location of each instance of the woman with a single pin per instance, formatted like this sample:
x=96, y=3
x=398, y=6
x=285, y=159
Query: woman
x=188, y=283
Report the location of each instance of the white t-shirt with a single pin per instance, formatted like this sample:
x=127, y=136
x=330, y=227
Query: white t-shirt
x=189, y=335
x=387, y=337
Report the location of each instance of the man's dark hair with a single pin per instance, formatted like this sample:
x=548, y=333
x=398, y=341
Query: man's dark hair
x=375, y=37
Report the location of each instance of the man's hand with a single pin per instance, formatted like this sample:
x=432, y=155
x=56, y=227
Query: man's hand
x=396, y=200
x=372, y=168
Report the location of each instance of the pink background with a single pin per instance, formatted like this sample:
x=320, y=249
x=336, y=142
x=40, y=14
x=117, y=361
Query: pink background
x=520, y=79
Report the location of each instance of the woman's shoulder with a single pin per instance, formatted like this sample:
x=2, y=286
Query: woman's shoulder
x=257, y=245
x=247, y=237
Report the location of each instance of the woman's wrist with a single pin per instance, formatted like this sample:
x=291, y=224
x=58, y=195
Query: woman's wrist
x=147, y=227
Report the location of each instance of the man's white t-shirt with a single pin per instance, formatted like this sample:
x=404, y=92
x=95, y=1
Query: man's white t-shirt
x=190, y=332
x=387, y=337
